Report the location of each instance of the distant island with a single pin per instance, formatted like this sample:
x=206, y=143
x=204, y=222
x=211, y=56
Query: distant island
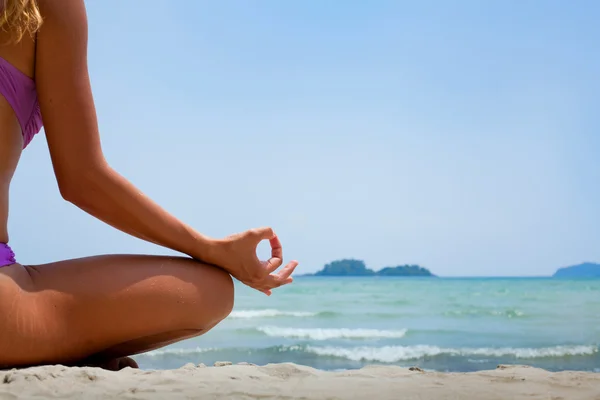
x=351, y=267
x=585, y=270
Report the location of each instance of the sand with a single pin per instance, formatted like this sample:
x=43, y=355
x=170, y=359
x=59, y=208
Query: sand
x=291, y=381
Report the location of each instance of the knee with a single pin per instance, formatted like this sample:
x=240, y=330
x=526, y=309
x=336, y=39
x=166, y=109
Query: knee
x=225, y=293
x=217, y=298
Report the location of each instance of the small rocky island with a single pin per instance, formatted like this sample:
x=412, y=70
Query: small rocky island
x=351, y=267
x=585, y=270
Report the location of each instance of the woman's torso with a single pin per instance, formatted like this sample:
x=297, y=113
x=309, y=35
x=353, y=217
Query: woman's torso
x=21, y=56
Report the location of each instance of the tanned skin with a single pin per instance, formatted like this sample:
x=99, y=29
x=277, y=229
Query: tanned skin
x=99, y=310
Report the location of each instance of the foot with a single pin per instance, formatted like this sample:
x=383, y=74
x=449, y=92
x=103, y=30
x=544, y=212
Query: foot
x=116, y=364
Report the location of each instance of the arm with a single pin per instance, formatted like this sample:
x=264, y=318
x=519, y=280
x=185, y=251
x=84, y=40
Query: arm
x=84, y=178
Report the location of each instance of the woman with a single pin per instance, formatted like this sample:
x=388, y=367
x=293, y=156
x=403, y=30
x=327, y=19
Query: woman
x=98, y=310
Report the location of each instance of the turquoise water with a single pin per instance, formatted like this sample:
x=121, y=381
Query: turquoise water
x=442, y=324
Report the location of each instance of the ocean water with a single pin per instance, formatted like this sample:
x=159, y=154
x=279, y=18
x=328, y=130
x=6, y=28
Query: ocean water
x=442, y=324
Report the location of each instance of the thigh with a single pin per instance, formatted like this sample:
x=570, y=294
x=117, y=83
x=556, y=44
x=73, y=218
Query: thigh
x=68, y=310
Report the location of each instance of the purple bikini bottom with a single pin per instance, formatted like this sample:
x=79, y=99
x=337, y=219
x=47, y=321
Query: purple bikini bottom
x=7, y=257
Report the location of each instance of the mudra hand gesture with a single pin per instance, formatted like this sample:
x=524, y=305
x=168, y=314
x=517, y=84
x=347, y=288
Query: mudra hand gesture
x=237, y=255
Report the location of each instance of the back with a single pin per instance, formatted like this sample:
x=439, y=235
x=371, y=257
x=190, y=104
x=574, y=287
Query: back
x=22, y=57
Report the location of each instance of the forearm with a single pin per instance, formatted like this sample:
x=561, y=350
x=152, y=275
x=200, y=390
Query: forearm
x=108, y=196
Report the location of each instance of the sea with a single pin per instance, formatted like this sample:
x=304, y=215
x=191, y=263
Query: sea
x=440, y=324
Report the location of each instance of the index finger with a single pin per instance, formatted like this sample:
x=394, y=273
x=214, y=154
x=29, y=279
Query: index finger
x=276, y=249
x=276, y=255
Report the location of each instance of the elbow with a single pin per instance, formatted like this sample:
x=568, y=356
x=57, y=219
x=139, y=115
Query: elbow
x=72, y=191
x=68, y=191
x=80, y=188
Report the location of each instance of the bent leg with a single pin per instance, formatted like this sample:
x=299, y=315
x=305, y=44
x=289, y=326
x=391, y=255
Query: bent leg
x=107, y=306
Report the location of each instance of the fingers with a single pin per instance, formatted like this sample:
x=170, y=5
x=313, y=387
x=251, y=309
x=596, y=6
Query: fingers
x=285, y=273
x=276, y=248
x=276, y=259
x=274, y=281
x=273, y=263
x=283, y=277
x=263, y=233
x=271, y=281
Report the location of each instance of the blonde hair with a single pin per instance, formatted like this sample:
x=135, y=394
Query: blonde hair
x=19, y=17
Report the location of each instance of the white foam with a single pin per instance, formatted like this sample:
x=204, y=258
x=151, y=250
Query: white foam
x=402, y=353
x=268, y=313
x=176, y=351
x=330, y=333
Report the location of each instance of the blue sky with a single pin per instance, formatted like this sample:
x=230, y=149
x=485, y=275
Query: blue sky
x=462, y=136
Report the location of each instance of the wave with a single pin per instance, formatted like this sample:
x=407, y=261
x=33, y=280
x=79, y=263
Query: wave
x=330, y=333
x=273, y=313
x=270, y=313
x=510, y=313
x=179, y=352
x=385, y=354
x=389, y=354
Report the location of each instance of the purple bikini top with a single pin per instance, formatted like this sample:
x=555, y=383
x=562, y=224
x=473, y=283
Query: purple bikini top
x=20, y=92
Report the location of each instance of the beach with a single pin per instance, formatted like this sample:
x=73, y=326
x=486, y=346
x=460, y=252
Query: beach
x=367, y=338
x=292, y=381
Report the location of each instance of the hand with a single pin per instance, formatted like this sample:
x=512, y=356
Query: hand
x=237, y=255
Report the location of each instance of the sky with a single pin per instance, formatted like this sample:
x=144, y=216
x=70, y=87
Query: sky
x=462, y=136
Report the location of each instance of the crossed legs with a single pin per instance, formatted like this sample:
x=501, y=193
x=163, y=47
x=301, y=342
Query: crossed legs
x=95, y=310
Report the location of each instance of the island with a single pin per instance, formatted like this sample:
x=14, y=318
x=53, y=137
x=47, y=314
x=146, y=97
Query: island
x=404, y=270
x=584, y=270
x=352, y=267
